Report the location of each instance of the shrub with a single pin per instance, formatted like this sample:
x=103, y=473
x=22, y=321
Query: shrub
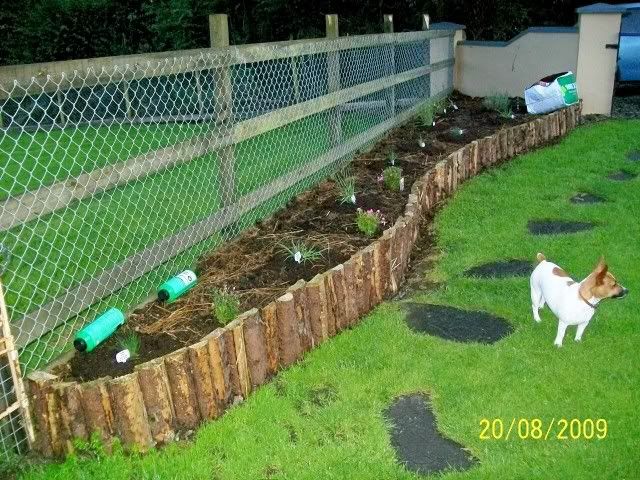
x=347, y=187
x=130, y=341
x=301, y=253
x=500, y=103
x=369, y=221
x=392, y=178
x=226, y=305
x=427, y=114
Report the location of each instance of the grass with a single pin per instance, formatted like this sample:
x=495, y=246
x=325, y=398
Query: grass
x=323, y=417
x=60, y=250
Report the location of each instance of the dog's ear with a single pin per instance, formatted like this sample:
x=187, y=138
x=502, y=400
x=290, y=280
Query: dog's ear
x=601, y=271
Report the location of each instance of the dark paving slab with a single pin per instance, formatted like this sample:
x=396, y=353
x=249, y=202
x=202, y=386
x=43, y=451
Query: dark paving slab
x=455, y=324
x=634, y=155
x=415, y=437
x=584, y=198
x=501, y=269
x=557, y=227
x=621, y=176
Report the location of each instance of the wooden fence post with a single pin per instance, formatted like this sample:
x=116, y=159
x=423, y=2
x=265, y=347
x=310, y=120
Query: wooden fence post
x=223, y=93
x=333, y=79
x=391, y=68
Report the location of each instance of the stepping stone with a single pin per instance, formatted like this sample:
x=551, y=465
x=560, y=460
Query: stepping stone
x=556, y=227
x=621, y=176
x=582, y=198
x=415, y=437
x=501, y=269
x=634, y=155
x=455, y=324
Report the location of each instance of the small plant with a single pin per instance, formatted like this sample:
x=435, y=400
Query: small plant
x=499, y=103
x=226, y=305
x=392, y=156
x=369, y=221
x=427, y=115
x=301, y=253
x=130, y=341
x=347, y=186
x=421, y=143
x=457, y=132
x=393, y=178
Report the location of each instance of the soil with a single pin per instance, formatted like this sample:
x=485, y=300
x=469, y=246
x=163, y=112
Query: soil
x=501, y=269
x=621, y=176
x=583, y=198
x=415, y=437
x=634, y=155
x=557, y=227
x=255, y=266
x=455, y=324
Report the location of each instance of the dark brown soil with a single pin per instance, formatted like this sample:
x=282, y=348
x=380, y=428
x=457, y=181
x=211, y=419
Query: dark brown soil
x=419, y=446
x=255, y=266
x=501, y=269
x=455, y=324
x=557, y=227
x=621, y=176
x=583, y=198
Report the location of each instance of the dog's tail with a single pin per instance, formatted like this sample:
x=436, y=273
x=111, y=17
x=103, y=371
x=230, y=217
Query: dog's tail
x=540, y=256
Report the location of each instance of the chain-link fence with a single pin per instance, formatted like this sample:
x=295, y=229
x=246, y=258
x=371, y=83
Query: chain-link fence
x=117, y=176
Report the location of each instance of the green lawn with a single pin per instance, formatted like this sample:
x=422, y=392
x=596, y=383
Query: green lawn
x=57, y=251
x=323, y=417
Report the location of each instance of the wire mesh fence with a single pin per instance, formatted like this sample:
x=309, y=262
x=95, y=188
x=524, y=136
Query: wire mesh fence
x=115, y=178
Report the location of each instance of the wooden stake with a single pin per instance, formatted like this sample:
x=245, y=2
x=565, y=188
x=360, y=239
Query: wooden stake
x=270, y=318
x=290, y=348
x=156, y=395
x=129, y=415
x=205, y=390
x=182, y=389
x=256, y=348
x=237, y=327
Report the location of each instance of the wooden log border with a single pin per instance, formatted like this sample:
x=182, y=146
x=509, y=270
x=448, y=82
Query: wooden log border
x=198, y=383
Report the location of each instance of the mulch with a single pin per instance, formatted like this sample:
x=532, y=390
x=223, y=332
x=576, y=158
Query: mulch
x=418, y=444
x=255, y=265
x=455, y=324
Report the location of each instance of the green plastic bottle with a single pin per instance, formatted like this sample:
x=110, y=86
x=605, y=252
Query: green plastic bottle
x=99, y=330
x=177, y=286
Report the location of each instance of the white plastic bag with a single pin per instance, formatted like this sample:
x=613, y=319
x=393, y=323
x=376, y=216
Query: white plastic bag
x=551, y=93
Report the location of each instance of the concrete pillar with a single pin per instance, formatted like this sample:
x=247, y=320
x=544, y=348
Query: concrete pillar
x=599, y=26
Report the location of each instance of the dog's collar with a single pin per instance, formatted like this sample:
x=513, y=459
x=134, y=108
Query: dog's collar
x=587, y=301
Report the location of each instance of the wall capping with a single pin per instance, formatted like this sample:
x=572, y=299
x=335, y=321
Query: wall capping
x=493, y=43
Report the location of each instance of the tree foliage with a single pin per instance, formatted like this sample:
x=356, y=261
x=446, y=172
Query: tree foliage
x=46, y=30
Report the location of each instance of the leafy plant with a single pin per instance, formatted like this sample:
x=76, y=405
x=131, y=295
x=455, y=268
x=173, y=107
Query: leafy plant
x=500, y=103
x=369, y=221
x=347, y=186
x=427, y=114
x=301, y=253
x=457, y=132
x=392, y=156
x=130, y=341
x=226, y=305
x=392, y=178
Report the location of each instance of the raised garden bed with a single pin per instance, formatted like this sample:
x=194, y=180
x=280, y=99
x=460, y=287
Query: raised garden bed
x=199, y=381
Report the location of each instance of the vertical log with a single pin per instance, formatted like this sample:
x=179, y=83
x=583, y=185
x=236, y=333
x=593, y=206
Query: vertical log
x=303, y=324
x=256, y=346
x=154, y=385
x=270, y=318
x=237, y=327
x=333, y=79
x=232, y=362
x=205, y=391
x=369, y=278
x=220, y=367
x=38, y=384
x=130, y=417
x=382, y=267
x=395, y=255
x=71, y=414
x=97, y=409
x=289, y=346
x=327, y=318
x=314, y=309
x=182, y=388
x=531, y=135
x=337, y=292
x=351, y=305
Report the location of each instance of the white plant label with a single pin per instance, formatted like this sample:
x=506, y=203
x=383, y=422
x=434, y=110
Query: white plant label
x=123, y=356
x=297, y=257
x=187, y=277
x=353, y=198
x=445, y=110
x=402, y=184
x=455, y=107
x=422, y=144
x=433, y=124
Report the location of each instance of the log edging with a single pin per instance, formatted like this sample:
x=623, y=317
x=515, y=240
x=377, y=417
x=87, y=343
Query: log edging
x=198, y=383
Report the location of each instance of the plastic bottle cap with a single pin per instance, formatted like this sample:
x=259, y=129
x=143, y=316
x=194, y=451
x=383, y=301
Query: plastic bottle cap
x=80, y=344
x=163, y=295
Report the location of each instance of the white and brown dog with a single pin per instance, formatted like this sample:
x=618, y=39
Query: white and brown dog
x=573, y=303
